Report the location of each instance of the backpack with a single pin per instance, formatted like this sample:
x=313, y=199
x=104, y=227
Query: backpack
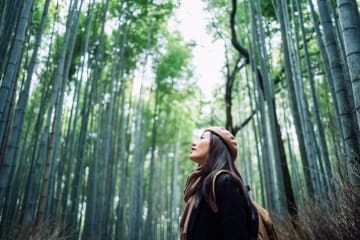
x=266, y=228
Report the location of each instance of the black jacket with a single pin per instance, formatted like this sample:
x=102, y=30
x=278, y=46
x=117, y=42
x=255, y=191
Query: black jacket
x=231, y=222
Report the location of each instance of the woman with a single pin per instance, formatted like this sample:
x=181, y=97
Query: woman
x=217, y=205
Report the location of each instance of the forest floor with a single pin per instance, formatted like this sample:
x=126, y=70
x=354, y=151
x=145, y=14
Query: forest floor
x=335, y=218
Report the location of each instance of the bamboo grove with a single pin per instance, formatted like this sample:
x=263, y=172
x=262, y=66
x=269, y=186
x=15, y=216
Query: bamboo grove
x=99, y=103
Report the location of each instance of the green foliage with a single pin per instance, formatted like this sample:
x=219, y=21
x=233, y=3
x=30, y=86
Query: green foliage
x=267, y=9
x=37, y=15
x=175, y=62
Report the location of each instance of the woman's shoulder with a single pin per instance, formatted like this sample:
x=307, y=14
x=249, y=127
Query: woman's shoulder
x=227, y=190
x=223, y=178
x=224, y=175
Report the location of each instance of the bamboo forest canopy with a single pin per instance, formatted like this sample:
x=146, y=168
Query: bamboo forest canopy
x=100, y=101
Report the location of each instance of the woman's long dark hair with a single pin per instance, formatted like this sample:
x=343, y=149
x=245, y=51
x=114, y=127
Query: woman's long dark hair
x=219, y=158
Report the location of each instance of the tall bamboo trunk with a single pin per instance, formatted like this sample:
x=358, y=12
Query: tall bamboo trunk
x=80, y=158
x=9, y=79
x=346, y=116
x=257, y=141
x=9, y=15
x=350, y=23
x=18, y=120
x=282, y=168
x=150, y=228
x=328, y=74
x=61, y=75
x=173, y=226
x=136, y=181
x=135, y=187
x=71, y=153
x=60, y=78
x=265, y=160
x=120, y=232
x=293, y=100
x=32, y=170
x=322, y=140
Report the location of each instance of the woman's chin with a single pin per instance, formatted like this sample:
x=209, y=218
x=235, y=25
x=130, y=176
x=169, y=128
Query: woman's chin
x=196, y=160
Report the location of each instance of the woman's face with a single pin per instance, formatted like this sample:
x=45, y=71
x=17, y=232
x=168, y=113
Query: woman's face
x=200, y=149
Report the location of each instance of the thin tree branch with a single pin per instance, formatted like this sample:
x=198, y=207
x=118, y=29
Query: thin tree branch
x=245, y=122
x=244, y=52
